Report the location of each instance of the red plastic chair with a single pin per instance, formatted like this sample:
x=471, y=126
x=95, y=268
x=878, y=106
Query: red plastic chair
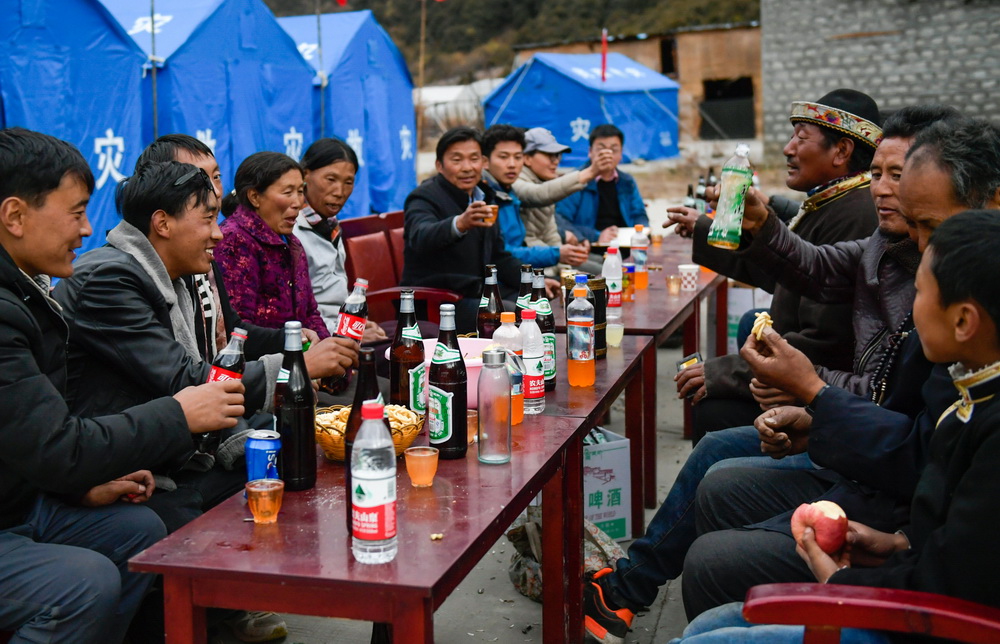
x=826, y=608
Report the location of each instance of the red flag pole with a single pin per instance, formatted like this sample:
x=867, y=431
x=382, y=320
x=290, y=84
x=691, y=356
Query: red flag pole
x=604, y=55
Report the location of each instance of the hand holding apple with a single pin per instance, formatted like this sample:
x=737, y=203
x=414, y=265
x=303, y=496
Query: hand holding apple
x=828, y=521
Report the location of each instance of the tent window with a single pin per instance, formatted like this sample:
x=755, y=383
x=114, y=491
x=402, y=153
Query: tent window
x=668, y=56
x=728, y=109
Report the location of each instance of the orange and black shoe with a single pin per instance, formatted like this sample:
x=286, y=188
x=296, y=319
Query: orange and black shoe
x=603, y=623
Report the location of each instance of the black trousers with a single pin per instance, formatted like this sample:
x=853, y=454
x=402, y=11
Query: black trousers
x=715, y=414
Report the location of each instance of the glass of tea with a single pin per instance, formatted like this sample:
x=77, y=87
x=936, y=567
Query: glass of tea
x=264, y=499
x=421, y=465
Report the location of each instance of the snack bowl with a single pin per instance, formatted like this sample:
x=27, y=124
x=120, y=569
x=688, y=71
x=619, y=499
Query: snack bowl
x=331, y=422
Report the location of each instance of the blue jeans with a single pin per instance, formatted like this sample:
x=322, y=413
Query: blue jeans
x=64, y=573
x=658, y=556
x=725, y=625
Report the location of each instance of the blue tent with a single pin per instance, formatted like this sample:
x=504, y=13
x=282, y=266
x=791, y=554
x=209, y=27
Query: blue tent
x=364, y=95
x=68, y=69
x=565, y=93
x=227, y=74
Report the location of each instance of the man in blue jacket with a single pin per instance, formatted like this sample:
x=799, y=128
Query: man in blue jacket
x=612, y=202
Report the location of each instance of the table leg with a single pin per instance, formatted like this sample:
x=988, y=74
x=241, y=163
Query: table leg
x=186, y=622
x=413, y=621
x=722, y=318
x=636, y=392
x=649, y=429
x=692, y=340
x=573, y=540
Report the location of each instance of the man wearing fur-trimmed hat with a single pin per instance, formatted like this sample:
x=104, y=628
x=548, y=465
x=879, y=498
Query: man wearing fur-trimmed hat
x=828, y=157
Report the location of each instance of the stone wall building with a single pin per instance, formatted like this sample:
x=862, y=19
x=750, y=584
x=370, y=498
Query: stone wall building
x=901, y=52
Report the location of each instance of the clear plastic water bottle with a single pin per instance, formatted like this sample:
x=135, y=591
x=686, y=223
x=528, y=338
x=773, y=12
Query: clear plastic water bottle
x=373, y=493
x=737, y=174
x=534, y=364
x=640, y=250
x=612, y=274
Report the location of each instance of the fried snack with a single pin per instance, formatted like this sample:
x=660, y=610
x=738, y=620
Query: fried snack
x=762, y=322
x=335, y=422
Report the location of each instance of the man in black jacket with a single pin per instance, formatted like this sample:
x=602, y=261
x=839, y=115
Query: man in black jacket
x=449, y=233
x=65, y=535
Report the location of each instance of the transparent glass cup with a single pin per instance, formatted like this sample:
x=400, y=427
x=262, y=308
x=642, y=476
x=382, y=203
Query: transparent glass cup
x=673, y=284
x=264, y=498
x=421, y=465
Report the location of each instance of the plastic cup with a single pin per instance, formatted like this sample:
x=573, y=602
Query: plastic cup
x=689, y=276
x=421, y=465
x=264, y=499
x=494, y=211
x=472, y=425
x=673, y=284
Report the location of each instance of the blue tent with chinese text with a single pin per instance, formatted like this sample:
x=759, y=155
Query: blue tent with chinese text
x=565, y=93
x=227, y=73
x=67, y=69
x=363, y=95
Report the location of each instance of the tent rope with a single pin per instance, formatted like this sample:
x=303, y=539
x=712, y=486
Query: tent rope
x=707, y=118
x=152, y=61
x=322, y=73
x=513, y=91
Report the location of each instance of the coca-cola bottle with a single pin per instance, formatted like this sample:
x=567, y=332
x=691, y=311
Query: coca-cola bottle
x=547, y=325
x=406, y=359
x=228, y=365
x=351, y=323
x=367, y=390
x=490, y=305
x=524, y=295
x=294, y=415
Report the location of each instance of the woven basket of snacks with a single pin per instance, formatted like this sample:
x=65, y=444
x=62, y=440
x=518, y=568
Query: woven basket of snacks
x=331, y=422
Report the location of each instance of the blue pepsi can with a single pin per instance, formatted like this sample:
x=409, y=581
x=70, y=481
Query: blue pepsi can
x=262, y=449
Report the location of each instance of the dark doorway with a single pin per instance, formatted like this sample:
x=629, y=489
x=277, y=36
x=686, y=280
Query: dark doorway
x=728, y=111
x=668, y=56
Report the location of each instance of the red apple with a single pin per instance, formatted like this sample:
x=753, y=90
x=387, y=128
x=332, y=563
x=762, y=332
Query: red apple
x=828, y=521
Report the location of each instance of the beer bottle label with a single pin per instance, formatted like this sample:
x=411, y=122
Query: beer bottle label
x=444, y=355
x=484, y=302
x=350, y=326
x=216, y=374
x=412, y=333
x=534, y=378
x=542, y=306
x=639, y=257
x=549, y=340
x=373, y=507
x=580, y=339
x=417, y=402
x=524, y=301
x=282, y=375
x=440, y=403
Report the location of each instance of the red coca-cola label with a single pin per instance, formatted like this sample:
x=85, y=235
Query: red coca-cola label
x=350, y=326
x=216, y=374
x=614, y=298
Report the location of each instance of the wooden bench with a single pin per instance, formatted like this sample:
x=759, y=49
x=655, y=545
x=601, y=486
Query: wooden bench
x=374, y=246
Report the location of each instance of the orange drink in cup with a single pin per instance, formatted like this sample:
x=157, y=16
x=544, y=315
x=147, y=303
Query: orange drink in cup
x=494, y=211
x=264, y=499
x=421, y=465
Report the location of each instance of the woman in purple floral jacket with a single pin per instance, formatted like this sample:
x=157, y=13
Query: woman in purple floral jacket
x=263, y=264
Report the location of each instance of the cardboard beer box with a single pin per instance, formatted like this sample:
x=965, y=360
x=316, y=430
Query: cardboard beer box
x=607, y=497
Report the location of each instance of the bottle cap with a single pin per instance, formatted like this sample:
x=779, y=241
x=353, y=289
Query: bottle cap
x=448, y=308
x=371, y=410
x=528, y=314
x=240, y=333
x=613, y=250
x=494, y=356
x=507, y=316
x=579, y=291
x=638, y=228
x=742, y=150
x=362, y=282
x=293, y=325
x=629, y=268
x=580, y=278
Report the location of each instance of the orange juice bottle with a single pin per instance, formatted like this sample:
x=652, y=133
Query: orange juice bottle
x=580, y=369
x=640, y=248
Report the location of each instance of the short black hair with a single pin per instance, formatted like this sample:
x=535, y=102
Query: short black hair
x=907, y=122
x=33, y=164
x=329, y=150
x=963, y=250
x=861, y=157
x=457, y=135
x=166, y=147
x=499, y=133
x=166, y=186
x=258, y=171
x=968, y=150
x=604, y=131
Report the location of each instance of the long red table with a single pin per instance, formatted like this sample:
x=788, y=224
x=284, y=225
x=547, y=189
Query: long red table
x=303, y=564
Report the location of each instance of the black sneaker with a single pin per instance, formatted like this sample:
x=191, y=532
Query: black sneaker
x=604, y=624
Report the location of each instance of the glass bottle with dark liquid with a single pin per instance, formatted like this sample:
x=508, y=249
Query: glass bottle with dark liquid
x=490, y=305
x=295, y=415
x=547, y=325
x=406, y=359
x=447, y=384
x=524, y=295
x=228, y=365
x=351, y=321
x=367, y=389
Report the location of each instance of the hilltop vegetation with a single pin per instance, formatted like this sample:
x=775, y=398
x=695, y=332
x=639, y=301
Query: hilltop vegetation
x=468, y=39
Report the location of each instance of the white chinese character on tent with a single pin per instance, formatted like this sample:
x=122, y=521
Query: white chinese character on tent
x=307, y=49
x=582, y=73
x=406, y=142
x=293, y=143
x=634, y=72
x=666, y=140
x=144, y=23
x=356, y=141
x=111, y=151
x=581, y=128
x=205, y=136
